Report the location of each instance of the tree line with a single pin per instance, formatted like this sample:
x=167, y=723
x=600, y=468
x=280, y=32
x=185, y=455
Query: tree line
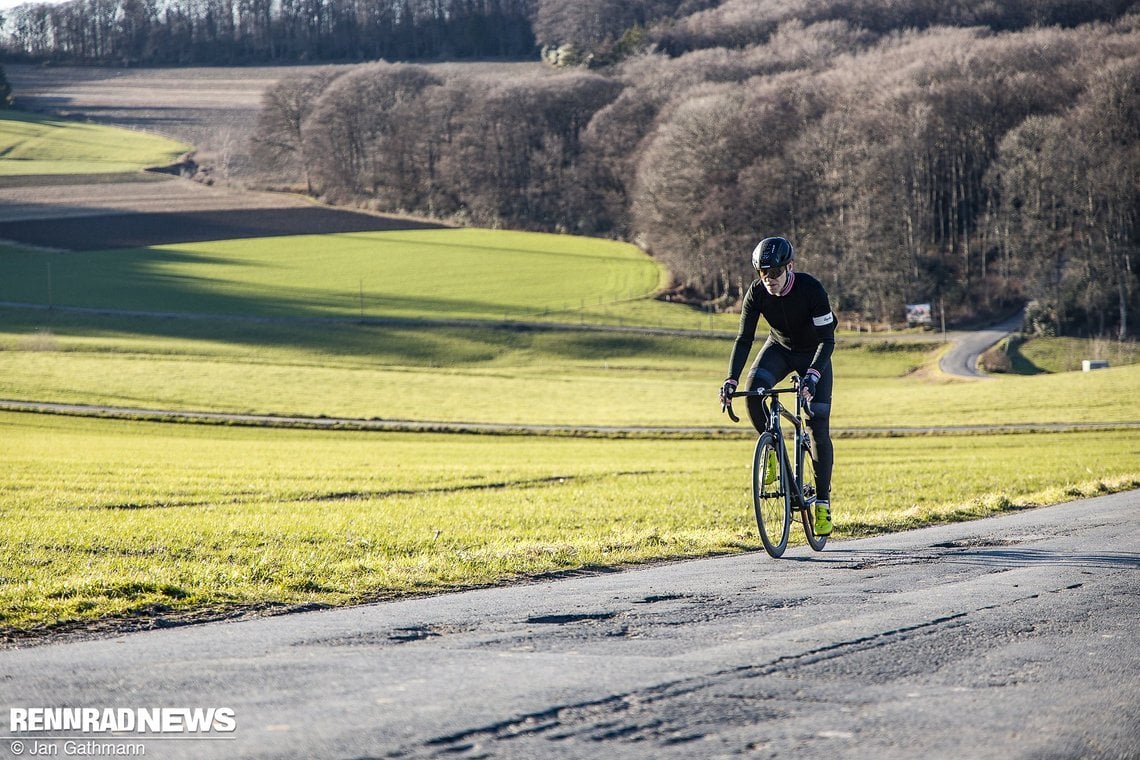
x=216, y=32
x=595, y=32
x=972, y=168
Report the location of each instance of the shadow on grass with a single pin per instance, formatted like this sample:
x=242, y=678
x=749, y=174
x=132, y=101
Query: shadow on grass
x=140, y=230
x=104, y=288
x=414, y=343
x=1019, y=364
x=409, y=345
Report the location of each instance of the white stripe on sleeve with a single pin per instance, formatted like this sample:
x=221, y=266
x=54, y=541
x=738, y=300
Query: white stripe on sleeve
x=826, y=319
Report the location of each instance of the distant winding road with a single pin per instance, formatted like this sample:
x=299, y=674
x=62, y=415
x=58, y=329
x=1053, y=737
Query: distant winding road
x=961, y=359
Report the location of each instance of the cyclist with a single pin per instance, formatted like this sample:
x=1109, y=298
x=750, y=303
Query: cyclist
x=801, y=339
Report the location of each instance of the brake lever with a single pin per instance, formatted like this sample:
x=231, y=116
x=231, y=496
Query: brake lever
x=727, y=408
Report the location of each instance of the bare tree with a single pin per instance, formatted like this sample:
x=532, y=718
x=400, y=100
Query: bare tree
x=279, y=144
x=685, y=174
x=355, y=132
x=522, y=146
x=594, y=29
x=5, y=87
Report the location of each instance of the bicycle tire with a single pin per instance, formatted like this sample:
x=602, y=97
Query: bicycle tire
x=807, y=514
x=772, y=502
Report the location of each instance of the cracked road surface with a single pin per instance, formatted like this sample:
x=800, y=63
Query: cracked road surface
x=1007, y=637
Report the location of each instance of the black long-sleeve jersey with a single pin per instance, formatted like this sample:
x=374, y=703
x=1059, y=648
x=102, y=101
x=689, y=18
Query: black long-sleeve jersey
x=801, y=320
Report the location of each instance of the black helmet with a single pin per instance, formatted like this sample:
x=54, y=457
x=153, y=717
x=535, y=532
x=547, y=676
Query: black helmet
x=772, y=252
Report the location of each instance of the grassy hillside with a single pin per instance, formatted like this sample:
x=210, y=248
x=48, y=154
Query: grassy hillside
x=31, y=144
x=296, y=325
x=422, y=274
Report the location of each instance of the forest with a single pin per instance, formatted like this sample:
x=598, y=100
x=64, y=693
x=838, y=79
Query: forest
x=980, y=156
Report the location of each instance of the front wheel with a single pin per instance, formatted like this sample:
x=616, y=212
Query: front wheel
x=807, y=514
x=771, y=498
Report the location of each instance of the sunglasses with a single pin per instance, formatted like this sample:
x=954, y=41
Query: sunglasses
x=773, y=273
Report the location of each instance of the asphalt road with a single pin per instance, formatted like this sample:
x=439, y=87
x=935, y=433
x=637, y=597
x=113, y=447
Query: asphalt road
x=962, y=357
x=1004, y=638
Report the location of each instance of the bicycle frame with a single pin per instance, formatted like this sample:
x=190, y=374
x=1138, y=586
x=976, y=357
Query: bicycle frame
x=773, y=411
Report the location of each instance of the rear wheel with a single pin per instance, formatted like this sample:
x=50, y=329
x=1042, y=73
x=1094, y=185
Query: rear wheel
x=772, y=500
x=807, y=514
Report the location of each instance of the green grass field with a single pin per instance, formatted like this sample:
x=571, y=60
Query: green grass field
x=495, y=375
x=446, y=274
x=112, y=518
x=1067, y=354
x=40, y=145
x=109, y=518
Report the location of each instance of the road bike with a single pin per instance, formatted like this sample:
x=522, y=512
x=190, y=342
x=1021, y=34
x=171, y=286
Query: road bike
x=783, y=472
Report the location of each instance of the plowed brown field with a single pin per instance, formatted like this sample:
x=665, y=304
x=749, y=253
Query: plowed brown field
x=213, y=109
